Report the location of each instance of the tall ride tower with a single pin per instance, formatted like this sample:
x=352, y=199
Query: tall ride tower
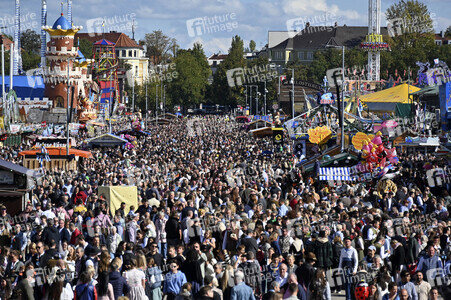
x=104, y=70
x=373, y=42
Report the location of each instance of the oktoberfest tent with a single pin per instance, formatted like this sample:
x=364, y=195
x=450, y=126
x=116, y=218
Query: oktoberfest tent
x=393, y=100
x=107, y=140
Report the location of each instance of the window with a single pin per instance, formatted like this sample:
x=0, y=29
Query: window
x=278, y=55
x=124, y=53
x=129, y=53
x=59, y=102
x=136, y=70
x=117, y=53
x=309, y=55
x=301, y=55
x=134, y=53
x=438, y=42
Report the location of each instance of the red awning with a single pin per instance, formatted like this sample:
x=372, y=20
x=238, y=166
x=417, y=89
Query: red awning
x=59, y=151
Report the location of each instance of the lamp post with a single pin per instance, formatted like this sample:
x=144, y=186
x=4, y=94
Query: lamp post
x=68, y=107
x=292, y=91
x=256, y=101
x=156, y=104
x=256, y=98
x=265, y=91
x=133, y=93
x=340, y=105
x=147, y=110
x=164, y=100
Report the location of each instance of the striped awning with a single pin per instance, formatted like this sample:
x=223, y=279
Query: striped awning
x=335, y=174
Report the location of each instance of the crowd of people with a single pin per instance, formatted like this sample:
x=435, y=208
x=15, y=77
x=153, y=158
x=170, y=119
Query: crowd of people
x=223, y=215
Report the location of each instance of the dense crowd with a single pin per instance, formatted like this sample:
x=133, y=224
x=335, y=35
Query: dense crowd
x=223, y=215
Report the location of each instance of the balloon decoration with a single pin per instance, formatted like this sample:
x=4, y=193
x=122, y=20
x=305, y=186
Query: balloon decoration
x=360, y=141
x=376, y=157
x=319, y=135
x=362, y=291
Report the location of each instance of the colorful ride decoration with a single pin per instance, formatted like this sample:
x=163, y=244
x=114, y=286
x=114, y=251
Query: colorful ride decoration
x=376, y=158
x=374, y=42
x=319, y=135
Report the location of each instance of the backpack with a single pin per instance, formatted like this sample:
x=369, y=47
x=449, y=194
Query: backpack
x=316, y=291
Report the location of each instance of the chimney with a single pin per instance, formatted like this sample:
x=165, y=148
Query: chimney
x=442, y=34
x=43, y=33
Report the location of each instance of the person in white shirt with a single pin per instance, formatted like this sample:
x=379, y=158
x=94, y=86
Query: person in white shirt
x=349, y=262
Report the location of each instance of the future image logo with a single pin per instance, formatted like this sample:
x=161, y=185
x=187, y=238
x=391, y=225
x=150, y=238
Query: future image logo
x=123, y=23
x=437, y=177
x=208, y=25
x=312, y=24
x=240, y=76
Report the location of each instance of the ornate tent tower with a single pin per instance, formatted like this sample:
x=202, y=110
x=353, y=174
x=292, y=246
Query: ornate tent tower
x=61, y=54
x=373, y=42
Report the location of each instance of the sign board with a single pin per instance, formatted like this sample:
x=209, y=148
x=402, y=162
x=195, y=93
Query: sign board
x=303, y=83
x=277, y=135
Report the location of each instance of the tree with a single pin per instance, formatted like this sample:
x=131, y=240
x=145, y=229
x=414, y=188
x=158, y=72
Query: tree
x=189, y=86
x=29, y=60
x=158, y=46
x=222, y=92
x=86, y=48
x=30, y=41
x=411, y=24
x=252, y=45
x=448, y=32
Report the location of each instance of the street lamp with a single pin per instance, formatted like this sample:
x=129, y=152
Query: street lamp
x=156, y=104
x=147, y=110
x=68, y=106
x=265, y=91
x=256, y=101
x=292, y=91
x=256, y=98
x=340, y=105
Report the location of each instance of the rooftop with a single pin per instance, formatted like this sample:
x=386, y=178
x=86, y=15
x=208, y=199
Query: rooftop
x=120, y=39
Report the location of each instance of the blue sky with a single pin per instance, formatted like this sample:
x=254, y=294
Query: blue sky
x=221, y=19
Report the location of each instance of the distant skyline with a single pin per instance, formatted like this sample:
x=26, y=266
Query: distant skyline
x=213, y=23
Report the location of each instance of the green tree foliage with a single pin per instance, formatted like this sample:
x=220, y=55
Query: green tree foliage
x=30, y=41
x=86, y=48
x=190, y=85
x=29, y=60
x=413, y=41
x=252, y=45
x=159, y=45
x=222, y=92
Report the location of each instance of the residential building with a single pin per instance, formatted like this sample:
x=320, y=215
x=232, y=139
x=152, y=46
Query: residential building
x=284, y=47
x=441, y=39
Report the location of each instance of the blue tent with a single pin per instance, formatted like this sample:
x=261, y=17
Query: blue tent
x=25, y=86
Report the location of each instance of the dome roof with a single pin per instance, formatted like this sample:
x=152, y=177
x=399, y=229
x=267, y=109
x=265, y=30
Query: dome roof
x=62, y=23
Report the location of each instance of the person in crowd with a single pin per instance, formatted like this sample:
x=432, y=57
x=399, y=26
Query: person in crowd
x=241, y=291
x=217, y=201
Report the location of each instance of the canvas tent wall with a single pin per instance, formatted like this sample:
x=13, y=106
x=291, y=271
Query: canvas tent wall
x=115, y=195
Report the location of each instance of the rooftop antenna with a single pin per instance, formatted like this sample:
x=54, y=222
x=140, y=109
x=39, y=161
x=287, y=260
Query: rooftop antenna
x=133, y=29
